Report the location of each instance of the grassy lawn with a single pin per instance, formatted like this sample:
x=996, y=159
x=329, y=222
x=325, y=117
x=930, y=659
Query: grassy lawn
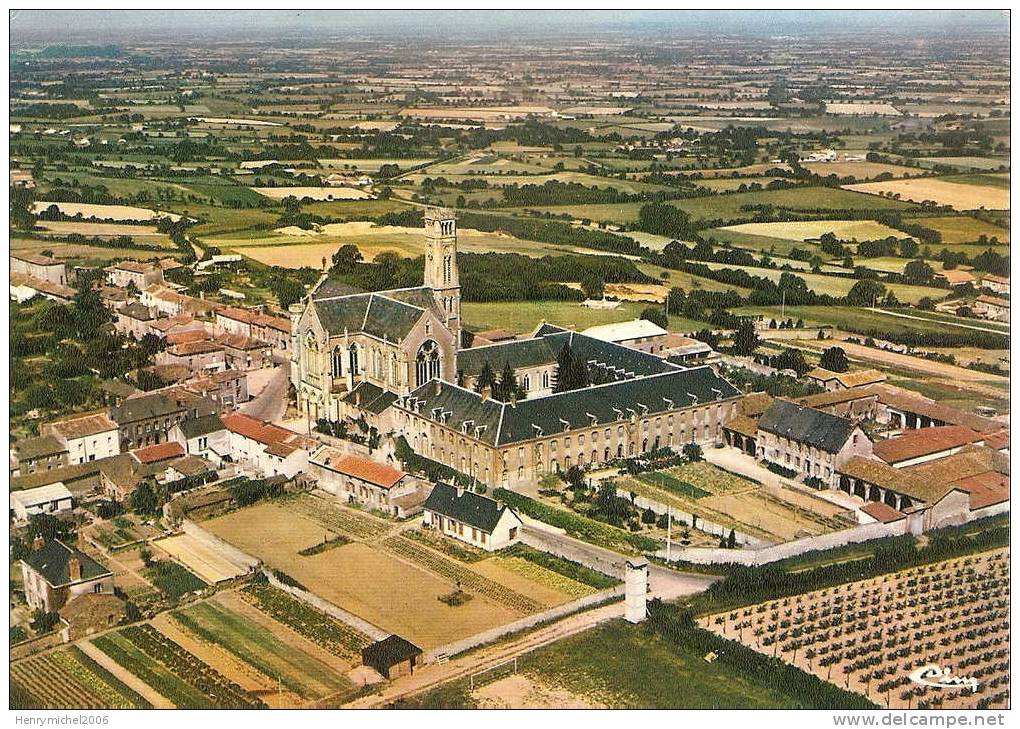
x=523, y=316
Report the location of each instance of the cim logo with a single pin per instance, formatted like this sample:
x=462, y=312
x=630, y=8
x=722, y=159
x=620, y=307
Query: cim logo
x=937, y=677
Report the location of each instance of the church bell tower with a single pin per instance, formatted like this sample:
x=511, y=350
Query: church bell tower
x=441, y=264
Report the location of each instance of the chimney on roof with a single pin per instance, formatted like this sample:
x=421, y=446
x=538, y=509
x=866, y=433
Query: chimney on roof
x=486, y=392
x=38, y=543
x=74, y=569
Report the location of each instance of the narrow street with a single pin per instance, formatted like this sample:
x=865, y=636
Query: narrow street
x=271, y=403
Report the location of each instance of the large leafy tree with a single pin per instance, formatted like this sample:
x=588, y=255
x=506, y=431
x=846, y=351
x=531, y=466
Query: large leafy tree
x=834, y=359
x=745, y=338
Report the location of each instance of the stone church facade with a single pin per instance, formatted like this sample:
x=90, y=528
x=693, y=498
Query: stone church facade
x=353, y=349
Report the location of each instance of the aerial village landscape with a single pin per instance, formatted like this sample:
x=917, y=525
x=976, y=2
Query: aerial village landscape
x=665, y=367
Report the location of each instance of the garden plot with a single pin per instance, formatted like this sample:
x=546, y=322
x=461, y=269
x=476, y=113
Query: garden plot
x=68, y=679
x=871, y=636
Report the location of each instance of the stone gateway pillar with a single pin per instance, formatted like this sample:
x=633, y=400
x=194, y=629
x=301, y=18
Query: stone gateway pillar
x=636, y=590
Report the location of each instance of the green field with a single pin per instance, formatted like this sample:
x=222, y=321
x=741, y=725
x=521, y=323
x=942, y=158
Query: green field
x=628, y=666
x=856, y=319
x=268, y=653
x=959, y=229
x=523, y=316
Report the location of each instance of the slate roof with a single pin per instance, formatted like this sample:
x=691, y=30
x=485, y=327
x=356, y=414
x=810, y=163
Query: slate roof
x=812, y=427
x=329, y=288
x=136, y=310
x=32, y=448
x=623, y=359
x=202, y=426
x=468, y=507
x=153, y=405
x=51, y=562
x=370, y=398
x=390, y=319
x=498, y=423
x=518, y=353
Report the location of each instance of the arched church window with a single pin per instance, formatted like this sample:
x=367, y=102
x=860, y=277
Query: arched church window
x=427, y=363
x=447, y=268
x=337, y=362
x=393, y=368
x=527, y=383
x=353, y=357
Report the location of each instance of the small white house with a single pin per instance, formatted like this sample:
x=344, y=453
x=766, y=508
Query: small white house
x=52, y=499
x=471, y=518
x=89, y=437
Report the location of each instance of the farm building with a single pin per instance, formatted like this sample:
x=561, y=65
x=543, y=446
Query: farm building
x=89, y=614
x=808, y=442
x=24, y=288
x=51, y=499
x=996, y=284
x=829, y=380
x=992, y=308
x=856, y=403
x=929, y=444
x=470, y=517
x=953, y=277
x=55, y=574
x=639, y=334
x=685, y=350
x=907, y=410
x=392, y=656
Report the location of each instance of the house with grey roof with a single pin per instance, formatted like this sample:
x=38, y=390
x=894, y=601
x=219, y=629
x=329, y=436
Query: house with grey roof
x=472, y=518
x=55, y=573
x=810, y=443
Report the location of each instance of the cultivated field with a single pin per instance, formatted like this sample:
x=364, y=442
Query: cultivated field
x=68, y=679
x=140, y=233
x=960, y=229
x=845, y=230
x=201, y=559
x=104, y=212
x=862, y=108
x=391, y=581
x=955, y=195
x=860, y=170
x=313, y=193
x=871, y=636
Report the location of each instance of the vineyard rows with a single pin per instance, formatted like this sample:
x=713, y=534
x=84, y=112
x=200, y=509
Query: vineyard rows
x=68, y=679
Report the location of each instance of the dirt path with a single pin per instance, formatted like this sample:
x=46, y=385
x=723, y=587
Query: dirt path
x=126, y=677
x=433, y=675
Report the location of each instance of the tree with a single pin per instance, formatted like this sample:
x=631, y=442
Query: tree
x=918, y=272
x=508, y=388
x=731, y=540
x=908, y=248
x=593, y=287
x=346, y=258
x=571, y=372
x=656, y=316
x=48, y=527
x=834, y=359
x=486, y=378
x=145, y=500
x=664, y=219
x=692, y=452
x=745, y=339
x=865, y=293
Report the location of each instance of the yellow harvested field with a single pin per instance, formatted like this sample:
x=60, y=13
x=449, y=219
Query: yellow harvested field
x=314, y=193
x=292, y=247
x=955, y=195
x=510, y=571
x=141, y=233
x=362, y=579
x=866, y=107
x=962, y=229
x=492, y=113
x=860, y=170
x=200, y=558
x=104, y=212
x=813, y=229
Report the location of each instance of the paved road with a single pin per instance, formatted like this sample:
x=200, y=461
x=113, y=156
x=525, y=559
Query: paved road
x=270, y=404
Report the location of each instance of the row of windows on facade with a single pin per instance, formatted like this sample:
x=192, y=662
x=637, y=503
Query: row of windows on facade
x=427, y=362
x=451, y=526
x=772, y=455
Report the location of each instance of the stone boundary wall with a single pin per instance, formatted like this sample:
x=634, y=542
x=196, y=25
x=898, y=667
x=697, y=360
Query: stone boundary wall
x=452, y=649
x=774, y=553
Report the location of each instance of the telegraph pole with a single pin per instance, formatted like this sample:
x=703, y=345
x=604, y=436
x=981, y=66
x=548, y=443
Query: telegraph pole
x=669, y=533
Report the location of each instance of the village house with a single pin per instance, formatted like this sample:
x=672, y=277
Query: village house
x=42, y=453
x=206, y=437
x=953, y=277
x=266, y=449
x=87, y=437
x=471, y=518
x=146, y=419
x=52, y=499
x=24, y=288
x=274, y=330
x=133, y=320
x=244, y=353
x=39, y=267
x=55, y=574
x=992, y=308
x=357, y=479
x=808, y=442
x=200, y=357
x=228, y=389
x=178, y=325
x=141, y=275
x=639, y=334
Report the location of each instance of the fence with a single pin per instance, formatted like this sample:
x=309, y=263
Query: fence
x=232, y=554
x=362, y=626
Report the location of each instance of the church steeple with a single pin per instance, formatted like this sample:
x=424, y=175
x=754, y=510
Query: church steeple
x=441, y=273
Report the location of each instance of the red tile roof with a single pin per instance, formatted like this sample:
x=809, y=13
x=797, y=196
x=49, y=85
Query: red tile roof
x=882, y=511
x=256, y=430
x=368, y=470
x=158, y=452
x=925, y=442
x=985, y=489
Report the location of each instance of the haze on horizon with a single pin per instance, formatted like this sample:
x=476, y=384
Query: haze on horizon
x=106, y=26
